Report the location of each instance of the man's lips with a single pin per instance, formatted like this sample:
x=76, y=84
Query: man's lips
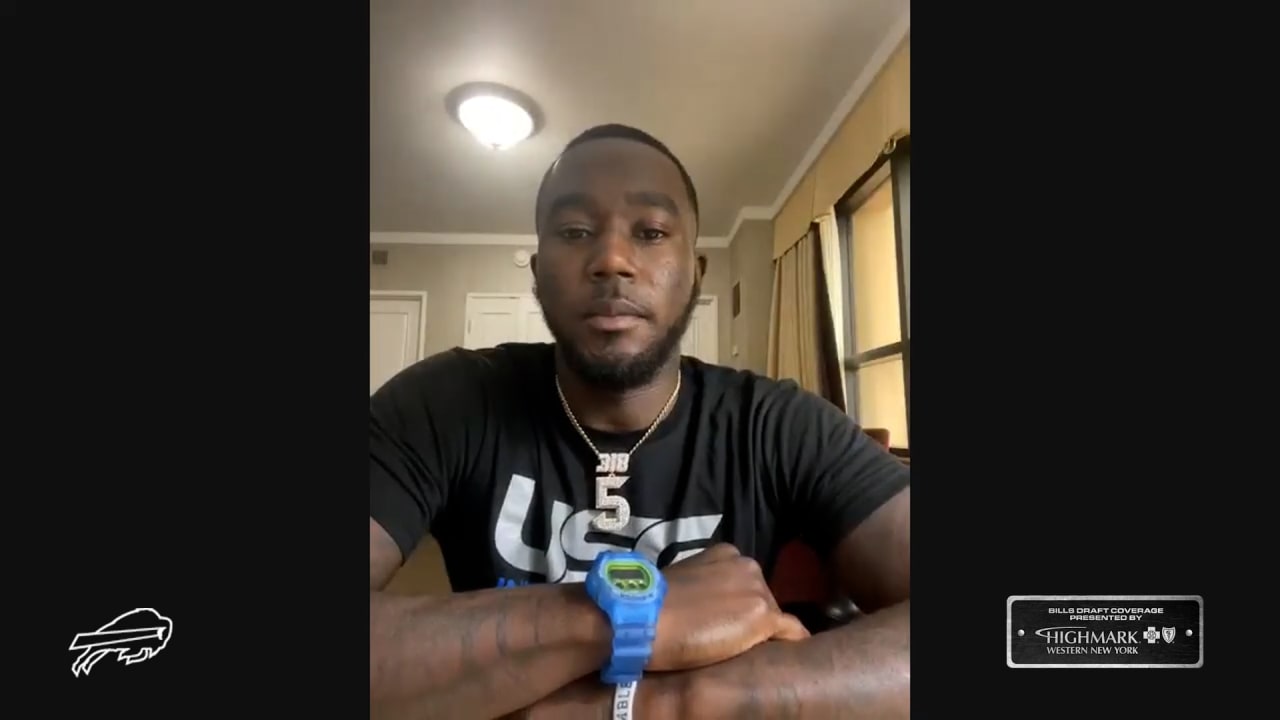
x=614, y=315
x=614, y=308
x=613, y=323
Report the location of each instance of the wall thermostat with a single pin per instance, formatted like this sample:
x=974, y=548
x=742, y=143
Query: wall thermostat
x=522, y=258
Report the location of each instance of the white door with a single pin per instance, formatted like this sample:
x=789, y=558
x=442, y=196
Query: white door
x=395, y=334
x=535, y=325
x=702, y=339
x=497, y=318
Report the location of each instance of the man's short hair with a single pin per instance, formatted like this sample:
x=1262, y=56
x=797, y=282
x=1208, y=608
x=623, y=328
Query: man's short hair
x=622, y=132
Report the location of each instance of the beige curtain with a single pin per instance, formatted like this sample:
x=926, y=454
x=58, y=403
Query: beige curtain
x=801, y=336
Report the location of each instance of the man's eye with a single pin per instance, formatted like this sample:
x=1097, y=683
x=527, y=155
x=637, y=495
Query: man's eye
x=652, y=234
x=574, y=233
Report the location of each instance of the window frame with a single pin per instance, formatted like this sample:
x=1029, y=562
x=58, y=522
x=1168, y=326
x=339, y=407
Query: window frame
x=895, y=164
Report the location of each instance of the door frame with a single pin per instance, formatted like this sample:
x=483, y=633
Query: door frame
x=714, y=304
x=417, y=296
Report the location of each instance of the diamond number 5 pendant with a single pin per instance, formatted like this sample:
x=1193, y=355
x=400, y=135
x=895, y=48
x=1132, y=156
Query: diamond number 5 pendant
x=615, y=510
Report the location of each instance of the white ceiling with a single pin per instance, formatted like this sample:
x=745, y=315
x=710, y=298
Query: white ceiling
x=743, y=91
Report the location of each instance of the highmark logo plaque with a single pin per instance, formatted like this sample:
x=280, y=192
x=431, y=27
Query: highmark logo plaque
x=1105, y=631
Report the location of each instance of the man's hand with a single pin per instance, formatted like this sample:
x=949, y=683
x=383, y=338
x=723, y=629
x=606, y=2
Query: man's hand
x=718, y=606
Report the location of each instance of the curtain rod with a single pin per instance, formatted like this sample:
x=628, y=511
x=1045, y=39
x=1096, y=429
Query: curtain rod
x=889, y=148
x=892, y=144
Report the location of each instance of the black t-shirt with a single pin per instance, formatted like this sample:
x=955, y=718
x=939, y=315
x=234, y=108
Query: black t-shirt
x=474, y=447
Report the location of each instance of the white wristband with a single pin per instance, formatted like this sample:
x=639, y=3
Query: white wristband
x=624, y=700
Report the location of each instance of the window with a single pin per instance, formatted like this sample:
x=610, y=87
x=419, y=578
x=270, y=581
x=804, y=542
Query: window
x=875, y=241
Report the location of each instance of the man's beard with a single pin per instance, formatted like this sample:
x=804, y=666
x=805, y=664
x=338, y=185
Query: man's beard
x=621, y=375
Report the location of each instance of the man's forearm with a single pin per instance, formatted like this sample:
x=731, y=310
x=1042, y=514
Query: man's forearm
x=862, y=670
x=859, y=671
x=480, y=654
x=659, y=696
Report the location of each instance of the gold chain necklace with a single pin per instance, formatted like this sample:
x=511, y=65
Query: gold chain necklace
x=615, y=510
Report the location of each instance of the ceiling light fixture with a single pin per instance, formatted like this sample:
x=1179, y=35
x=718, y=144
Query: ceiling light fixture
x=497, y=116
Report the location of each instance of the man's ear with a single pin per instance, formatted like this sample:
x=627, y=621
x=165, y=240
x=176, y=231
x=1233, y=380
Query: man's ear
x=533, y=268
x=702, y=266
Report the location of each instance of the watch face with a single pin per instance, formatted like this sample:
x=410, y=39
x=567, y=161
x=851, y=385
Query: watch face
x=629, y=577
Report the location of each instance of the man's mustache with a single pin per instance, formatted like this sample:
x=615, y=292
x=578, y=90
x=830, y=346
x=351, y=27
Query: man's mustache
x=611, y=307
x=614, y=294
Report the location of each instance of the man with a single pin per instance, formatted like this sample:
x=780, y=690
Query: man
x=529, y=462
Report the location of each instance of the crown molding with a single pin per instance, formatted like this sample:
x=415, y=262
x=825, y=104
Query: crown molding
x=749, y=212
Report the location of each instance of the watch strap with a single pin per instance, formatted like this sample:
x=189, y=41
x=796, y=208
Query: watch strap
x=624, y=701
x=632, y=648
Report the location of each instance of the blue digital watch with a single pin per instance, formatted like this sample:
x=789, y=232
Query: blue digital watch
x=630, y=590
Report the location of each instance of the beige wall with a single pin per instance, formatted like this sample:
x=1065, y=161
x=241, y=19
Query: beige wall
x=718, y=282
x=752, y=260
x=448, y=272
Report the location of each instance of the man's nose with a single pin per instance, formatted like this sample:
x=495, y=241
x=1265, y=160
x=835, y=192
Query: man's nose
x=613, y=255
